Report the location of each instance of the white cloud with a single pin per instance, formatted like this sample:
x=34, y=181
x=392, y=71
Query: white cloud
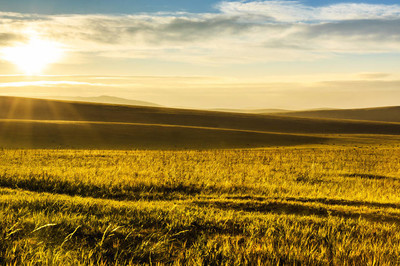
x=46, y=83
x=243, y=32
x=211, y=92
x=294, y=11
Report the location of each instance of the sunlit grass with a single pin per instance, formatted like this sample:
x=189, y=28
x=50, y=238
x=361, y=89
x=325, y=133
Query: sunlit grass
x=280, y=205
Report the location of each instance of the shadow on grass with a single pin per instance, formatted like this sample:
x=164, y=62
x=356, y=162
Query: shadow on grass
x=139, y=191
x=122, y=192
x=326, y=201
x=342, y=202
x=370, y=176
x=289, y=208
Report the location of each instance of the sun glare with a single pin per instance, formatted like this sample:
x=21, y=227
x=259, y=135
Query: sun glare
x=33, y=57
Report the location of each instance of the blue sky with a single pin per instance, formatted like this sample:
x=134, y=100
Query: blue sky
x=134, y=6
x=105, y=6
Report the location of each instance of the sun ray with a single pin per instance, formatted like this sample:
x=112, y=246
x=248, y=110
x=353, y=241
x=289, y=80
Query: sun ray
x=34, y=56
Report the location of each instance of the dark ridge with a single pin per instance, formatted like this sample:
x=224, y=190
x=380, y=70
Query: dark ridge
x=383, y=114
x=35, y=109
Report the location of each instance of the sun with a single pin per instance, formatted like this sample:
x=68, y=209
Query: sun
x=33, y=57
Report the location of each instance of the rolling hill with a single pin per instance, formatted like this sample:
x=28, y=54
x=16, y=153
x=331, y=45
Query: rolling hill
x=102, y=99
x=250, y=111
x=383, y=114
x=39, y=123
x=111, y=135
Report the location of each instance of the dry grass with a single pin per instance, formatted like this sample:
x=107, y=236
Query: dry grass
x=310, y=205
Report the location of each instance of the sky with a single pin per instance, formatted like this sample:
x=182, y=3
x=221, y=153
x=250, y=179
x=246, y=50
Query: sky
x=204, y=54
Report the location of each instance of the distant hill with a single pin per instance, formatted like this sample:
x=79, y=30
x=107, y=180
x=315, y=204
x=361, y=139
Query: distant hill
x=250, y=111
x=267, y=111
x=385, y=114
x=38, y=123
x=102, y=99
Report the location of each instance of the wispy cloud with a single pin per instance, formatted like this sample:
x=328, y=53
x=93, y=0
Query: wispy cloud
x=242, y=32
x=373, y=75
x=44, y=83
x=10, y=38
x=295, y=11
x=210, y=92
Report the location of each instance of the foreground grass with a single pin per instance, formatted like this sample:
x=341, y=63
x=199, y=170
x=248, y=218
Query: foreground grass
x=322, y=205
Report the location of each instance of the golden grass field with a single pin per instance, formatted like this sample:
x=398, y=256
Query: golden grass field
x=210, y=189
x=268, y=206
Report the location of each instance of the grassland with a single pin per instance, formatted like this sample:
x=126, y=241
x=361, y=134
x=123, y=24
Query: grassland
x=383, y=114
x=309, y=205
x=98, y=184
x=35, y=123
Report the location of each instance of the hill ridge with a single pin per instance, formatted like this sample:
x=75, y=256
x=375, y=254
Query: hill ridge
x=27, y=122
x=383, y=114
